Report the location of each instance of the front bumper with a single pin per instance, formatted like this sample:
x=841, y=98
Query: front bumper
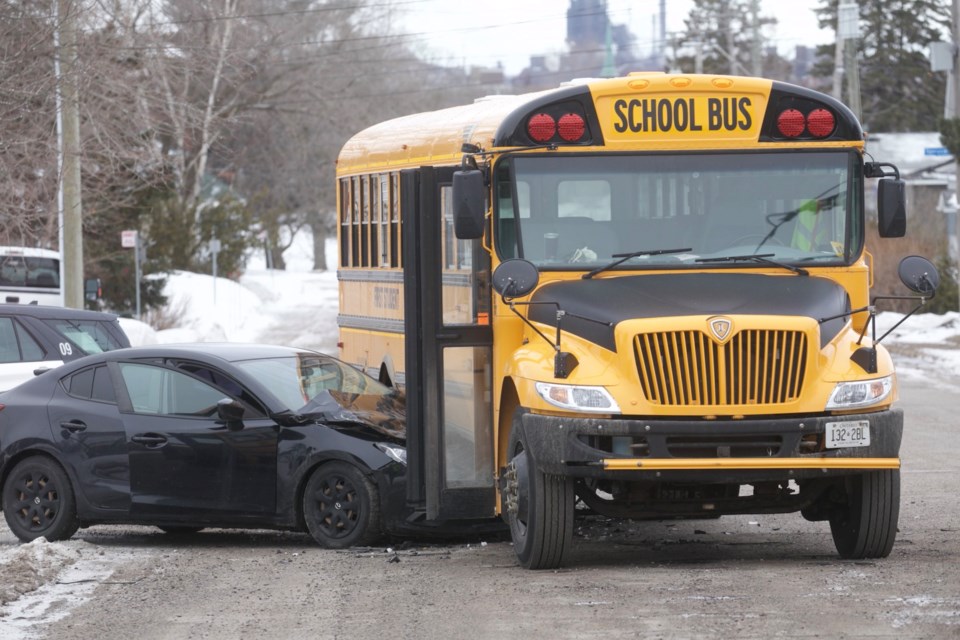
x=706, y=450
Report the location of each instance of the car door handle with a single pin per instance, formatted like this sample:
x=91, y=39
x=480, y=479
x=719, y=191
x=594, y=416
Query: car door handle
x=447, y=336
x=149, y=439
x=74, y=425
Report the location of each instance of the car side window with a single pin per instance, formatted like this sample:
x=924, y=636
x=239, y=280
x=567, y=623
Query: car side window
x=223, y=382
x=17, y=345
x=161, y=391
x=91, y=384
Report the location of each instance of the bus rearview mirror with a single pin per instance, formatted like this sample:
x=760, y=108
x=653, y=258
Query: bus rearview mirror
x=891, y=208
x=468, y=204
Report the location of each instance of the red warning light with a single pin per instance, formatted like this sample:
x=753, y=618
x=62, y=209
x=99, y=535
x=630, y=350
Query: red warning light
x=820, y=123
x=541, y=127
x=791, y=123
x=571, y=127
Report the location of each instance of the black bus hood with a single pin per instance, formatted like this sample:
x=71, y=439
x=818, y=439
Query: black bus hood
x=603, y=303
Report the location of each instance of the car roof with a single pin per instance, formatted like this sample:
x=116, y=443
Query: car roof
x=46, y=311
x=226, y=351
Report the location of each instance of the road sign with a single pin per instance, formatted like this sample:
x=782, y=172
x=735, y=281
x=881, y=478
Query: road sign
x=128, y=239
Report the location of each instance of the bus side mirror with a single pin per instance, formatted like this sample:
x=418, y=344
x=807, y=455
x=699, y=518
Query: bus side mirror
x=515, y=278
x=919, y=275
x=891, y=208
x=469, y=211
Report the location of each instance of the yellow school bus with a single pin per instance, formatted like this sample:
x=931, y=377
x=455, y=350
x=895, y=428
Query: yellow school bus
x=648, y=296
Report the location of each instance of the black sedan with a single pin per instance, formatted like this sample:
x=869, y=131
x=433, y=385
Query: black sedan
x=187, y=437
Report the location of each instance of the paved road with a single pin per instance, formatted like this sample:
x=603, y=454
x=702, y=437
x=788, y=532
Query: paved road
x=737, y=577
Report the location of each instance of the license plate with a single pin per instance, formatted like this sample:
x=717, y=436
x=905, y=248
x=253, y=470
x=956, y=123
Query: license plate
x=855, y=433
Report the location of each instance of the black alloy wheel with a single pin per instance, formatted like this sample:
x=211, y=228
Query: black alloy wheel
x=341, y=506
x=38, y=501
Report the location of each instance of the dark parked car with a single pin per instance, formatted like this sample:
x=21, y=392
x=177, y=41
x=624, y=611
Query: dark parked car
x=187, y=437
x=40, y=337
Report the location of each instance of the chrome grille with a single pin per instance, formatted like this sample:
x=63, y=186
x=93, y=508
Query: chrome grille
x=756, y=366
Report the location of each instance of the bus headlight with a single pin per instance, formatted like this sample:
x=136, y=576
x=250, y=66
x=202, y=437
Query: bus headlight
x=577, y=398
x=863, y=393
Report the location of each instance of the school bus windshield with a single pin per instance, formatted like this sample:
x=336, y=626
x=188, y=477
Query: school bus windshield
x=577, y=211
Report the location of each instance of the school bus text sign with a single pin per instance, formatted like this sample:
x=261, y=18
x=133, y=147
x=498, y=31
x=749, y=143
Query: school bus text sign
x=679, y=117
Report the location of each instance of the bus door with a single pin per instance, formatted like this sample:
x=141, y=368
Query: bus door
x=448, y=355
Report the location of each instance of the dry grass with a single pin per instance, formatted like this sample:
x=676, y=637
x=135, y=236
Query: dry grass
x=926, y=236
x=168, y=317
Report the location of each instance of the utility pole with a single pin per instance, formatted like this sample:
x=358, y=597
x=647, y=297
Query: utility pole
x=837, y=91
x=71, y=234
x=731, y=38
x=848, y=28
x=756, y=50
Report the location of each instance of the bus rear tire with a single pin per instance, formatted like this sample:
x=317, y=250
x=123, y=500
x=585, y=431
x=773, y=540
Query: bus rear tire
x=541, y=525
x=866, y=526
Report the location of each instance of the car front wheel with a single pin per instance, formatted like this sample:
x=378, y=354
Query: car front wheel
x=341, y=506
x=38, y=501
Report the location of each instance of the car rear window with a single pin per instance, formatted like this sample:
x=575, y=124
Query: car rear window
x=92, y=336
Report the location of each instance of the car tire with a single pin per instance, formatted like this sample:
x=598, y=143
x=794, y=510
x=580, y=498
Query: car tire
x=38, y=501
x=866, y=525
x=341, y=507
x=542, y=524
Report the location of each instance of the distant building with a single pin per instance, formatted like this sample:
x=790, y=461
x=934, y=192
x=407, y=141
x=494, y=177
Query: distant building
x=595, y=48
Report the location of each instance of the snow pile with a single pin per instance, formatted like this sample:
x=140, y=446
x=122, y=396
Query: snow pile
x=27, y=567
x=294, y=307
x=41, y=582
x=925, y=342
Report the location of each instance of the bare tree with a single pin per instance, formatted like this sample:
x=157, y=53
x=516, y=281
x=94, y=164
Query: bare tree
x=28, y=143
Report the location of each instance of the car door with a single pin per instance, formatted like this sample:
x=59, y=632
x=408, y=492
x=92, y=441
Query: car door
x=87, y=428
x=185, y=463
x=21, y=354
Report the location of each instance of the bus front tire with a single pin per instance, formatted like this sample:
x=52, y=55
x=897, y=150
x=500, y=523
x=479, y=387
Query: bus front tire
x=541, y=525
x=866, y=526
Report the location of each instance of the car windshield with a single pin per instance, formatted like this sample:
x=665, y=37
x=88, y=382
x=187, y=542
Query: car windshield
x=300, y=382
x=579, y=211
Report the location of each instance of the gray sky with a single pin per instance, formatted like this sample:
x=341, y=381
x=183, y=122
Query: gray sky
x=510, y=31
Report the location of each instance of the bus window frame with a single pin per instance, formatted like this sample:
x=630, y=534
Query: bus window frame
x=855, y=217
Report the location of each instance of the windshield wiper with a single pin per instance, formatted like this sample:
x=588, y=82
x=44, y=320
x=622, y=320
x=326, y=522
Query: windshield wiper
x=822, y=200
x=626, y=256
x=763, y=258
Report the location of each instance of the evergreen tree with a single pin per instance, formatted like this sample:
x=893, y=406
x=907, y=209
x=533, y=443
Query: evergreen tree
x=898, y=90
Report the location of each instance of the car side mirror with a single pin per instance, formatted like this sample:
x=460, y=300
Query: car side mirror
x=891, y=208
x=231, y=413
x=469, y=211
